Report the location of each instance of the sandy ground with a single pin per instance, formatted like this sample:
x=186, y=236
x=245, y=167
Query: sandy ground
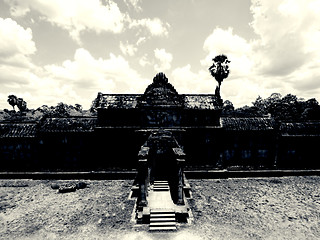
x=266, y=208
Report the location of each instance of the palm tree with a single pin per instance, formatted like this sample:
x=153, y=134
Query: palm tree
x=219, y=70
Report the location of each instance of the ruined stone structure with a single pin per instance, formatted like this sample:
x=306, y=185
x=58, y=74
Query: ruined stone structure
x=112, y=139
x=159, y=133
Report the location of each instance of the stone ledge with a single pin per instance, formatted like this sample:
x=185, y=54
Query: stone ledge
x=197, y=174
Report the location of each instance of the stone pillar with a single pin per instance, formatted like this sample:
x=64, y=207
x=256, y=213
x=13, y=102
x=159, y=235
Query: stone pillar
x=142, y=175
x=180, y=163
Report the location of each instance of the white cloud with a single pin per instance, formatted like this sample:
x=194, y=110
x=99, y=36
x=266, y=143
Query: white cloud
x=164, y=59
x=16, y=47
x=141, y=40
x=16, y=44
x=234, y=88
x=76, y=15
x=288, y=35
x=186, y=81
x=76, y=80
x=18, y=9
x=135, y=4
x=128, y=49
x=144, y=61
x=79, y=16
x=155, y=26
x=287, y=49
x=283, y=57
x=225, y=41
x=235, y=47
x=87, y=75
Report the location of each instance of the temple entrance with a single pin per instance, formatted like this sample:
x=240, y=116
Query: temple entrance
x=162, y=168
x=161, y=182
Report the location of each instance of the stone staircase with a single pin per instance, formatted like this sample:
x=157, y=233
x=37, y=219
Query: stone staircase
x=161, y=186
x=162, y=219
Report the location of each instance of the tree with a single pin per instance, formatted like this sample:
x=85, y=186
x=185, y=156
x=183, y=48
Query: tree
x=247, y=111
x=21, y=104
x=310, y=110
x=261, y=105
x=228, y=107
x=269, y=105
x=62, y=110
x=219, y=70
x=78, y=107
x=12, y=100
x=95, y=103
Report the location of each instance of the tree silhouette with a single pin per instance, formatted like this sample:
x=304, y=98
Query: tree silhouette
x=219, y=70
x=19, y=102
x=12, y=100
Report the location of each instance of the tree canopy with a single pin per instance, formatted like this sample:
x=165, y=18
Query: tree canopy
x=19, y=102
x=60, y=110
x=287, y=108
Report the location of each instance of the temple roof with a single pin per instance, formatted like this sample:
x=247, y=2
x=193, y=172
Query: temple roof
x=18, y=130
x=87, y=124
x=71, y=124
x=131, y=101
x=311, y=128
x=119, y=101
x=160, y=93
x=200, y=101
x=247, y=124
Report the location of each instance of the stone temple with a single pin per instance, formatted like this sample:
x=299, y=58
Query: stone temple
x=160, y=135
x=129, y=126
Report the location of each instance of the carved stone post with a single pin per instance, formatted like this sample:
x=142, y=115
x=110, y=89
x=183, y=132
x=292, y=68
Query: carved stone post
x=142, y=176
x=143, y=173
x=180, y=155
x=180, y=163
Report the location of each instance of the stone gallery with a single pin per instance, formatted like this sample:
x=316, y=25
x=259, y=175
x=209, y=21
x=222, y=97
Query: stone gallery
x=112, y=139
x=159, y=133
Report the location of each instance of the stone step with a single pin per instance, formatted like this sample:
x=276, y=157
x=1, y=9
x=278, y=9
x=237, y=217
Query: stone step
x=160, y=186
x=162, y=215
x=161, y=189
x=156, y=187
x=161, y=210
x=163, y=228
x=162, y=224
x=169, y=219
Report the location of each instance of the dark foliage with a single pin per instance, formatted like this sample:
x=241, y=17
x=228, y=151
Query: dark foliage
x=12, y=100
x=95, y=103
x=287, y=108
x=19, y=102
x=219, y=70
x=26, y=115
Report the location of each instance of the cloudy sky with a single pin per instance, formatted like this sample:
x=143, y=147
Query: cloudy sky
x=69, y=50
